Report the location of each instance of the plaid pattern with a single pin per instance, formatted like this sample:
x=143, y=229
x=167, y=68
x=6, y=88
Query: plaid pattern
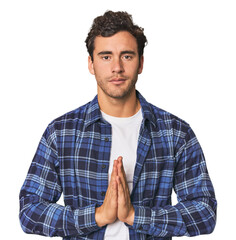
x=73, y=158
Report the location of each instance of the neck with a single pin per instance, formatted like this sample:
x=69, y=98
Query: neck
x=124, y=107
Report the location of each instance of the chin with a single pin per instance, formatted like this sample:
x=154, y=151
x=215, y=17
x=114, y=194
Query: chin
x=120, y=95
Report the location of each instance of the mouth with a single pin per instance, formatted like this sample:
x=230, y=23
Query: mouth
x=117, y=81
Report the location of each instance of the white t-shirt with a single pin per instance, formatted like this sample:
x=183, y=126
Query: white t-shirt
x=125, y=133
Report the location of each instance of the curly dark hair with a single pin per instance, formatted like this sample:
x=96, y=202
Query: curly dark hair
x=111, y=23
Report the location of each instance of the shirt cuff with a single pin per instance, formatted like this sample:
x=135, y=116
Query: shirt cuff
x=142, y=219
x=159, y=222
x=85, y=220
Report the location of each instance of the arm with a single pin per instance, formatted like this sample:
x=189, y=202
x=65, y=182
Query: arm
x=195, y=212
x=39, y=212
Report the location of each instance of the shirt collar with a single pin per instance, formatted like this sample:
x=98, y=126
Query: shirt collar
x=146, y=109
x=94, y=113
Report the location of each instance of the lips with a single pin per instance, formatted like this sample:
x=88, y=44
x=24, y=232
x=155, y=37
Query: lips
x=117, y=80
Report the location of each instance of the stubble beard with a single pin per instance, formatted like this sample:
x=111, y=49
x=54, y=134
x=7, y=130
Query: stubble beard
x=118, y=93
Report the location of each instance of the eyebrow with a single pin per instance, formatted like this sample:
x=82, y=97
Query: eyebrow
x=122, y=53
x=104, y=53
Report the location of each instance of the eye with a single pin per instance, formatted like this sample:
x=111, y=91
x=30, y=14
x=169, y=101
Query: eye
x=127, y=57
x=106, y=58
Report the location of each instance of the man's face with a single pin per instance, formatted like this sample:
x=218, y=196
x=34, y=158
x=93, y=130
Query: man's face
x=116, y=64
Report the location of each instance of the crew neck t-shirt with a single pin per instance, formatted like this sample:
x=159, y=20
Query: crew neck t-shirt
x=125, y=133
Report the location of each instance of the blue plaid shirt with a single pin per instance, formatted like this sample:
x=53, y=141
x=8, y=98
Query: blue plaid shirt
x=73, y=158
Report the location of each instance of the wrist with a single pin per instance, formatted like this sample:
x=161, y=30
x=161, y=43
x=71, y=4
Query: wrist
x=102, y=218
x=130, y=219
x=99, y=217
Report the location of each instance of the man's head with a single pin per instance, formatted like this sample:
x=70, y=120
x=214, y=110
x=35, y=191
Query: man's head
x=111, y=23
x=115, y=48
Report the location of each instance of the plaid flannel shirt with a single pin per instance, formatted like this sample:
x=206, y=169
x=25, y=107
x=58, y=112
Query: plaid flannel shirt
x=73, y=158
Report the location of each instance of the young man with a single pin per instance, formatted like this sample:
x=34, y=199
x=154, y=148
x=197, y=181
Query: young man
x=117, y=158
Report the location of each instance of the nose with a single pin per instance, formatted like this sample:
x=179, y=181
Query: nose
x=117, y=66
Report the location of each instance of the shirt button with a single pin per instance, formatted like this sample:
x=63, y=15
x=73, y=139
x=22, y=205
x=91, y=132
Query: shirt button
x=140, y=228
x=106, y=139
x=103, y=194
x=103, y=166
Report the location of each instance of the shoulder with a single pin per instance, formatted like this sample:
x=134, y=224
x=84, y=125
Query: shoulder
x=167, y=117
x=172, y=129
x=161, y=119
x=168, y=120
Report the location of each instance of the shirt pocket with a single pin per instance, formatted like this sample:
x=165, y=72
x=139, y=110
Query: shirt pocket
x=156, y=180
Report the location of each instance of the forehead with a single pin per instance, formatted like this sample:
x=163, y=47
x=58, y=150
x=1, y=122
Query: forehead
x=118, y=42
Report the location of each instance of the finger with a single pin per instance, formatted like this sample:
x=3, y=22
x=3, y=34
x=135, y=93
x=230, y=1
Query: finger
x=121, y=192
x=112, y=187
x=114, y=170
x=115, y=189
x=121, y=172
x=120, y=163
x=112, y=194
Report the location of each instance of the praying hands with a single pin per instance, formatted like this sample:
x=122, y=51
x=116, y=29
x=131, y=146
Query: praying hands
x=117, y=204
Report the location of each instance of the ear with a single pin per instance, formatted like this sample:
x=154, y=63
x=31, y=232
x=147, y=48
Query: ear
x=140, y=69
x=90, y=65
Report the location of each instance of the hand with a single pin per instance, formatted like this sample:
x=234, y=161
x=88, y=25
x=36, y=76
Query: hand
x=107, y=213
x=117, y=202
x=125, y=208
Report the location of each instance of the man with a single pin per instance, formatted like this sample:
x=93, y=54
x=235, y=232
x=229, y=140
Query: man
x=117, y=158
